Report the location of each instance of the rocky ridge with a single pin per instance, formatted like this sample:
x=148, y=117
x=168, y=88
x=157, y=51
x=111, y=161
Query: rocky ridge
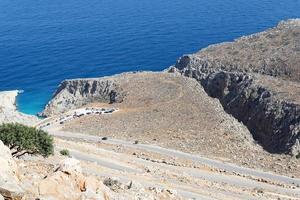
x=274, y=52
x=234, y=72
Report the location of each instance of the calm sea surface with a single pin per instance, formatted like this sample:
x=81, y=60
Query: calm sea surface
x=43, y=42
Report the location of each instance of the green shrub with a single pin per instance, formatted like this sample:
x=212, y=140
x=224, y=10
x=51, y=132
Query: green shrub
x=23, y=140
x=65, y=152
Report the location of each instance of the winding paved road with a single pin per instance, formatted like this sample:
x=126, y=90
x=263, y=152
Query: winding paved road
x=234, y=175
x=202, y=160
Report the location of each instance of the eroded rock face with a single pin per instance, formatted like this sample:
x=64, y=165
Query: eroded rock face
x=9, y=187
x=273, y=121
x=67, y=182
x=250, y=76
x=75, y=93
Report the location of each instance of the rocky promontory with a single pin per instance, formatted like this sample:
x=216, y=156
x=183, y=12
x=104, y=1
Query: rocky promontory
x=256, y=78
x=79, y=92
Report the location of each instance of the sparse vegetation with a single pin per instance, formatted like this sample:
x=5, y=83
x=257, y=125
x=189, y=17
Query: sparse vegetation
x=23, y=140
x=65, y=152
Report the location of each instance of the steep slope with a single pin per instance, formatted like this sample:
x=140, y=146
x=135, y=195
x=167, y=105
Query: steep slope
x=270, y=112
x=9, y=183
x=250, y=78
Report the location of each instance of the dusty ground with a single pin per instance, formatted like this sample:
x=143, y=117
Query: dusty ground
x=176, y=113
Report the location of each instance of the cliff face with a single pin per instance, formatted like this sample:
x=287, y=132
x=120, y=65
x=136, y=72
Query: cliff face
x=9, y=183
x=256, y=78
x=273, y=120
x=75, y=93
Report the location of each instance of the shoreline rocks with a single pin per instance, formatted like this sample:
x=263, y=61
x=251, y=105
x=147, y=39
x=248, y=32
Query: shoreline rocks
x=9, y=112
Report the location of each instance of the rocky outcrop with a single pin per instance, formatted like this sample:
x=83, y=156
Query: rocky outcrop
x=69, y=166
x=9, y=112
x=256, y=78
x=9, y=187
x=75, y=93
x=68, y=182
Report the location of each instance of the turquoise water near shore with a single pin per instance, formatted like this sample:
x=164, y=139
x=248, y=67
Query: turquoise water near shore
x=43, y=42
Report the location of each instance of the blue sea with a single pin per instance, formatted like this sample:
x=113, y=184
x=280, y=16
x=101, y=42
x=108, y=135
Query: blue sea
x=43, y=42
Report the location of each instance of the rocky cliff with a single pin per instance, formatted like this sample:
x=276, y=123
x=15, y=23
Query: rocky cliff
x=9, y=186
x=271, y=118
x=79, y=92
x=256, y=78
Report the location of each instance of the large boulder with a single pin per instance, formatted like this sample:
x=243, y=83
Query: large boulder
x=70, y=165
x=62, y=186
x=67, y=182
x=9, y=187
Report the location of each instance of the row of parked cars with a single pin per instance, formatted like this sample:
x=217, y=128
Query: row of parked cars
x=87, y=111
